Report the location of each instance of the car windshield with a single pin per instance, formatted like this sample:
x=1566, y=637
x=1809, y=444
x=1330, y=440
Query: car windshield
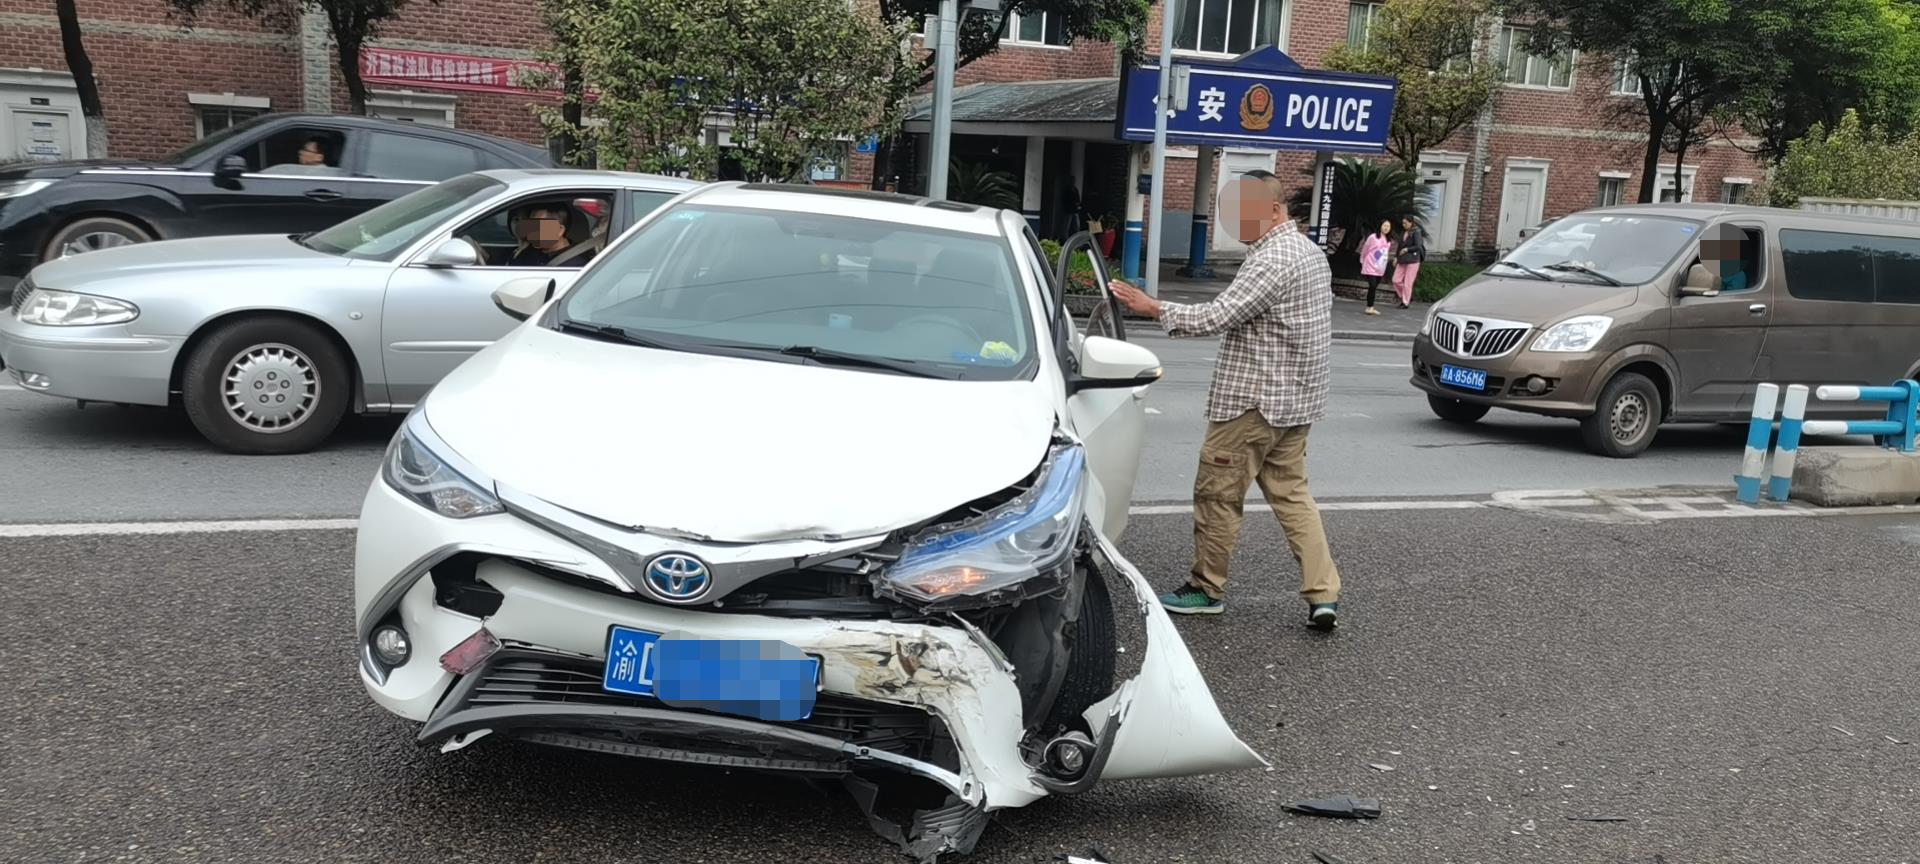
x=382, y=233
x=1602, y=247
x=828, y=289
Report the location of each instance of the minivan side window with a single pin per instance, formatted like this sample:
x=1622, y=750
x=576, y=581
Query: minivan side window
x=1851, y=268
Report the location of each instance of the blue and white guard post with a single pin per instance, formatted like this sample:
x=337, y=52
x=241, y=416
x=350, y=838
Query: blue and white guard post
x=1753, y=464
x=1897, y=432
x=1792, y=415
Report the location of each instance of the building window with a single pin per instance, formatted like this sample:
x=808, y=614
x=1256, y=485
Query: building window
x=1360, y=23
x=1734, y=191
x=830, y=165
x=1527, y=70
x=1228, y=26
x=213, y=112
x=1611, y=189
x=1626, y=82
x=406, y=106
x=1034, y=28
x=1668, y=194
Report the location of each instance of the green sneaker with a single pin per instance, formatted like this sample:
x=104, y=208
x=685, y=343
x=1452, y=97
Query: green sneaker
x=1323, y=616
x=1188, y=600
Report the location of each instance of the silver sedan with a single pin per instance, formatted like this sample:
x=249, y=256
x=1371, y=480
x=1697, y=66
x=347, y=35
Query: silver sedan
x=269, y=340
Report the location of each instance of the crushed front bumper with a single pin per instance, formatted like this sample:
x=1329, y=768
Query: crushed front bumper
x=919, y=697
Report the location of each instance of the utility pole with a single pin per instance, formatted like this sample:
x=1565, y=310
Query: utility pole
x=1161, y=105
x=945, y=45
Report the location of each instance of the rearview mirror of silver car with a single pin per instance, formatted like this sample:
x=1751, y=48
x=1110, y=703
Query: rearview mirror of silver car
x=455, y=252
x=522, y=297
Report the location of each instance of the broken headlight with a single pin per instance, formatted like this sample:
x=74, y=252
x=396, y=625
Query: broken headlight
x=1001, y=549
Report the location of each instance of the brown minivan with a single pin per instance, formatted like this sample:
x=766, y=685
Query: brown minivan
x=1629, y=317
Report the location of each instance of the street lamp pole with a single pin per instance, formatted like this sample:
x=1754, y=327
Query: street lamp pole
x=1161, y=105
x=945, y=45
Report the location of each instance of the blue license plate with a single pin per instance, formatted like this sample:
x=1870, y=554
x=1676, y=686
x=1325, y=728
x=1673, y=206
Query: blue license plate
x=763, y=679
x=1465, y=379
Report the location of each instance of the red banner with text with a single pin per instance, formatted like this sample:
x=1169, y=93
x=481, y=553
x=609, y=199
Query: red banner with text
x=453, y=71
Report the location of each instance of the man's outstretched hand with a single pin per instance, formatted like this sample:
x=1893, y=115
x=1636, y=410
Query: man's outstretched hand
x=1134, y=299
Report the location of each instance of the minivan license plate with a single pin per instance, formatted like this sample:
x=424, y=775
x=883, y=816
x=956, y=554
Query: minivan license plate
x=1465, y=379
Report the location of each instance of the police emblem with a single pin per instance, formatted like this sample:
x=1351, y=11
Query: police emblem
x=1256, y=109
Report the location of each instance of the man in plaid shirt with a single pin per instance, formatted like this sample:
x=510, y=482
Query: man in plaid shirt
x=1270, y=381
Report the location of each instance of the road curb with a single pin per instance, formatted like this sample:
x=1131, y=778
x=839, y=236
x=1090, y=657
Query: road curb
x=1372, y=336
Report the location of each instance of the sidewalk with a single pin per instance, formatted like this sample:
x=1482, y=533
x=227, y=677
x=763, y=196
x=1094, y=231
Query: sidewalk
x=1350, y=321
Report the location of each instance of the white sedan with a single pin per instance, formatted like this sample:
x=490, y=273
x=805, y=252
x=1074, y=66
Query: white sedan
x=791, y=480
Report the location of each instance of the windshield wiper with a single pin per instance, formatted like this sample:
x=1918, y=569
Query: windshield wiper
x=830, y=357
x=612, y=333
x=1571, y=267
x=1525, y=269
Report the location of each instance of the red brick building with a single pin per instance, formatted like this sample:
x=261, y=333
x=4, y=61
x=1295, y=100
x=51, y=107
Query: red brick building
x=1545, y=148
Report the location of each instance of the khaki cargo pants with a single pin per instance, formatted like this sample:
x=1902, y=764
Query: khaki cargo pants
x=1246, y=450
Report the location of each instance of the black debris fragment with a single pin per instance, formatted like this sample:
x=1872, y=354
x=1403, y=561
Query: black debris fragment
x=952, y=828
x=1326, y=857
x=1342, y=806
x=1091, y=856
x=1596, y=818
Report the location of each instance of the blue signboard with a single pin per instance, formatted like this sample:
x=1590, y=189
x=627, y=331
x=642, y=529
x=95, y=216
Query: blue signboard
x=1263, y=99
x=869, y=144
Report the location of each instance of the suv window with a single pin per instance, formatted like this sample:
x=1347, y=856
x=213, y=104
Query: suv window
x=405, y=157
x=283, y=148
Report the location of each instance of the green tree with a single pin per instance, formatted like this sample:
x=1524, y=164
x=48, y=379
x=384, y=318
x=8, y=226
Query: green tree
x=1852, y=160
x=1838, y=55
x=793, y=77
x=353, y=24
x=1365, y=194
x=1428, y=46
x=1690, y=59
x=974, y=183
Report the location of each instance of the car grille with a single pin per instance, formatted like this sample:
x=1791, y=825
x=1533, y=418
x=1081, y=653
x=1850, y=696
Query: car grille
x=523, y=677
x=1490, y=342
x=20, y=293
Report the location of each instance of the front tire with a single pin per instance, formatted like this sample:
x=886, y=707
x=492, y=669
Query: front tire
x=1456, y=411
x=93, y=234
x=1628, y=417
x=266, y=386
x=1089, y=677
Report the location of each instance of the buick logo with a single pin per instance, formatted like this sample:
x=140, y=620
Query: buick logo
x=678, y=578
x=1472, y=333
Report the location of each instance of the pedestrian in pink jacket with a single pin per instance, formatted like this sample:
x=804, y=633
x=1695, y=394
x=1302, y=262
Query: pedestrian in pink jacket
x=1373, y=260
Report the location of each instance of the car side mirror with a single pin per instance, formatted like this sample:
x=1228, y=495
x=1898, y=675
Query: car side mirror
x=231, y=167
x=455, y=252
x=521, y=298
x=1109, y=364
x=1700, y=283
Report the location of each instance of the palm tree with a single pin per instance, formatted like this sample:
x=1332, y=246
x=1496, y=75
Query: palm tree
x=1364, y=195
x=975, y=183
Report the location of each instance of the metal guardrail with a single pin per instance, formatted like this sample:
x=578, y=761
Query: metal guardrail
x=1897, y=432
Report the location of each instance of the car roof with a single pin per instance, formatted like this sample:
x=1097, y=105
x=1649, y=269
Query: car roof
x=1709, y=211
x=545, y=177
x=855, y=204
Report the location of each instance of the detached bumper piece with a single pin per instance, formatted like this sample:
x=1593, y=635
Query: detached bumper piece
x=557, y=699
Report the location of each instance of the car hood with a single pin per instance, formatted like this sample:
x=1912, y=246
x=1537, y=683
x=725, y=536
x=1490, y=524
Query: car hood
x=199, y=254
x=733, y=450
x=1533, y=301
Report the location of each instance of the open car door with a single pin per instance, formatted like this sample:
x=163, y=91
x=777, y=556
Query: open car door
x=1111, y=423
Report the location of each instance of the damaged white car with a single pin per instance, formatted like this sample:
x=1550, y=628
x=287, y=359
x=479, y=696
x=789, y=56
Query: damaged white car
x=798, y=481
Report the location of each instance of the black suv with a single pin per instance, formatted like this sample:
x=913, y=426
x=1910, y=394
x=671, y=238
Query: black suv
x=247, y=179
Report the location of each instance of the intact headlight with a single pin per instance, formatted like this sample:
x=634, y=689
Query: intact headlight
x=415, y=470
x=22, y=188
x=67, y=309
x=1032, y=534
x=1574, y=334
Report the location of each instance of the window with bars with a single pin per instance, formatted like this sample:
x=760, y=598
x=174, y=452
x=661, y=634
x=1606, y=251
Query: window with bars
x=1228, y=26
x=213, y=118
x=1528, y=70
x=1034, y=28
x=1360, y=23
x=1734, y=191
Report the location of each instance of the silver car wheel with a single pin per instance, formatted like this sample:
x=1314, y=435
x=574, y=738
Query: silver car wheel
x=1630, y=418
x=270, y=388
x=94, y=241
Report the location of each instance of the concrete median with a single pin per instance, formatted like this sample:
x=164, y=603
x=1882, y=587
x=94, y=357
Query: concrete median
x=1856, y=477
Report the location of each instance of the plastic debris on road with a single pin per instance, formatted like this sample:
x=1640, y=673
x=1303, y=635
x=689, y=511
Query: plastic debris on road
x=1343, y=806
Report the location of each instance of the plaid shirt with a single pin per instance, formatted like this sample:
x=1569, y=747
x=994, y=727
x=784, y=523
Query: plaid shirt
x=1277, y=321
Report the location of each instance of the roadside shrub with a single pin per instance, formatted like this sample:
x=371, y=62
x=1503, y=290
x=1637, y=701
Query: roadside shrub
x=1438, y=278
x=1852, y=160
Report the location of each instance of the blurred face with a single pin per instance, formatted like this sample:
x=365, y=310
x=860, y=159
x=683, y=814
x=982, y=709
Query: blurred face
x=1386, y=227
x=311, y=154
x=1251, y=207
x=1723, y=250
x=542, y=227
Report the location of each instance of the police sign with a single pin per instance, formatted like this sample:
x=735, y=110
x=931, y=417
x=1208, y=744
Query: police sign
x=1263, y=99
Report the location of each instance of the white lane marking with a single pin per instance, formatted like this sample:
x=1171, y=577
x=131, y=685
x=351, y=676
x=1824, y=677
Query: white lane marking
x=1678, y=507
x=1381, y=365
x=93, y=529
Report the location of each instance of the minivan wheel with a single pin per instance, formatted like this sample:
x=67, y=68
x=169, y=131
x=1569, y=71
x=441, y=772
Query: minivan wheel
x=266, y=386
x=93, y=234
x=1629, y=415
x=1456, y=411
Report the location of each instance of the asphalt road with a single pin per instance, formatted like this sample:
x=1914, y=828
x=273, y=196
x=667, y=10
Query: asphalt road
x=59, y=463
x=1728, y=687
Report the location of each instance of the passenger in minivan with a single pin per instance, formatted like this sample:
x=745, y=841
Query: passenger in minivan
x=1724, y=253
